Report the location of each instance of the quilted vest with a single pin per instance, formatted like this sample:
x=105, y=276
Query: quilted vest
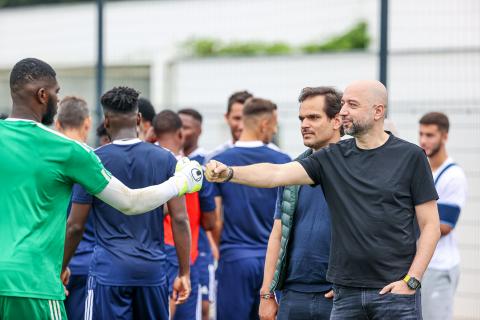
x=288, y=206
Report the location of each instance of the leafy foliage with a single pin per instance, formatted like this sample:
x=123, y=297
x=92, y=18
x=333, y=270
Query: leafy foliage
x=356, y=38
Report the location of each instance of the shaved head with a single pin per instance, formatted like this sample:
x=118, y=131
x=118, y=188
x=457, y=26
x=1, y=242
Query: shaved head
x=374, y=91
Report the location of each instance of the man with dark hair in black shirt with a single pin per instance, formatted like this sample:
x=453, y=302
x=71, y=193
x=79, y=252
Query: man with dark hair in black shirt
x=375, y=185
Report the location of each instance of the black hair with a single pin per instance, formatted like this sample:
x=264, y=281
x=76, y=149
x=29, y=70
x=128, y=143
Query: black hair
x=121, y=100
x=146, y=108
x=192, y=113
x=72, y=112
x=238, y=97
x=333, y=98
x=3, y=116
x=30, y=70
x=101, y=130
x=166, y=121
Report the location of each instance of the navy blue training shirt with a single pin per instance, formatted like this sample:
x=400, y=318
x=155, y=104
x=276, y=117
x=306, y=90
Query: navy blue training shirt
x=207, y=204
x=248, y=211
x=80, y=263
x=129, y=250
x=309, y=243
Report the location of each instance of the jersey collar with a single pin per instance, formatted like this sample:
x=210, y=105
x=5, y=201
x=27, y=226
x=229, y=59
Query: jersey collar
x=249, y=144
x=18, y=119
x=124, y=142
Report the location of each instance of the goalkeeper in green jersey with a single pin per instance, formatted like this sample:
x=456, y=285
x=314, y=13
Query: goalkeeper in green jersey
x=38, y=167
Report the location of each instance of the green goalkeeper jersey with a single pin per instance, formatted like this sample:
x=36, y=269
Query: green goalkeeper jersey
x=38, y=167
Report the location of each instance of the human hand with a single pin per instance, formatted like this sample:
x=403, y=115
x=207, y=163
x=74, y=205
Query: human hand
x=329, y=295
x=181, y=289
x=217, y=172
x=65, y=277
x=188, y=176
x=397, y=287
x=268, y=309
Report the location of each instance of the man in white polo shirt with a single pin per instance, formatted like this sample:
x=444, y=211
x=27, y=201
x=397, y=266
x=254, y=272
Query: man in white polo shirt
x=441, y=278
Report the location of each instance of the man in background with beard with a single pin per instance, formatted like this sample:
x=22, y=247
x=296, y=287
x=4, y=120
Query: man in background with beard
x=441, y=278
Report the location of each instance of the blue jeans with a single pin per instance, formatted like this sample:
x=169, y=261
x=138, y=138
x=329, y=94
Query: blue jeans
x=303, y=306
x=362, y=303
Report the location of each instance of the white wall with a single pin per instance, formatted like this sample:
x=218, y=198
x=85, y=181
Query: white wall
x=425, y=71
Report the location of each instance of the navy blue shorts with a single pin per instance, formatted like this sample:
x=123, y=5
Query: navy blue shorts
x=206, y=276
x=126, y=302
x=191, y=309
x=238, y=292
x=75, y=302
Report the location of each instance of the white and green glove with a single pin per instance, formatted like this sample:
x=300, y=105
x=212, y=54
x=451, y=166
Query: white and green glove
x=188, y=176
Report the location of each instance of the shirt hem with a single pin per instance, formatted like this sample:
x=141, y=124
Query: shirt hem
x=43, y=296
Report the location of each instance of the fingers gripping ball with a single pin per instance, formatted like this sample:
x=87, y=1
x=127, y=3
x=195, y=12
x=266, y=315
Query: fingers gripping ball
x=189, y=176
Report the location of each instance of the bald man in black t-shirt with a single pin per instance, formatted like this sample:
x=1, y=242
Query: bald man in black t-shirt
x=375, y=185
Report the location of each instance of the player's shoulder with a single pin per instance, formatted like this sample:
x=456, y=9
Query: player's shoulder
x=152, y=150
x=277, y=153
x=454, y=172
x=217, y=151
x=405, y=145
x=61, y=139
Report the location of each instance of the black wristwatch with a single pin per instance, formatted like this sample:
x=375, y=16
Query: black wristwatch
x=412, y=282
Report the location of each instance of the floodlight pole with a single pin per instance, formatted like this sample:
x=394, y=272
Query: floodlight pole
x=383, y=41
x=99, y=68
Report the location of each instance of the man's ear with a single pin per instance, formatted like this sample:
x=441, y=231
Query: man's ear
x=379, y=112
x=106, y=121
x=336, y=121
x=42, y=96
x=58, y=126
x=87, y=124
x=139, y=118
x=264, y=124
x=444, y=137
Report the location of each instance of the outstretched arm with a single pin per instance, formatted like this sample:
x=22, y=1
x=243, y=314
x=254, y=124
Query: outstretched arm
x=261, y=175
x=187, y=178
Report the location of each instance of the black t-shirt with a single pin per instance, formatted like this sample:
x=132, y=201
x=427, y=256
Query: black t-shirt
x=372, y=196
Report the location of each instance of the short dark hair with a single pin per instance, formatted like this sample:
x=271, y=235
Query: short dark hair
x=72, y=112
x=120, y=99
x=101, y=130
x=166, y=121
x=29, y=70
x=3, y=116
x=192, y=113
x=438, y=118
x=238, y=97
x=258, y=106
x=333, y=98
x=146, y=108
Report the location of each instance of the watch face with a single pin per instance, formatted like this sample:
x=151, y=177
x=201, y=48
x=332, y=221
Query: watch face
x=413, y=283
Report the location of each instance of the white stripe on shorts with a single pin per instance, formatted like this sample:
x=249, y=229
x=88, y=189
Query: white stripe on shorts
x=89, y=305
x=51, y=309
x=59, y=313
x=198, y=311
x=211, y=283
